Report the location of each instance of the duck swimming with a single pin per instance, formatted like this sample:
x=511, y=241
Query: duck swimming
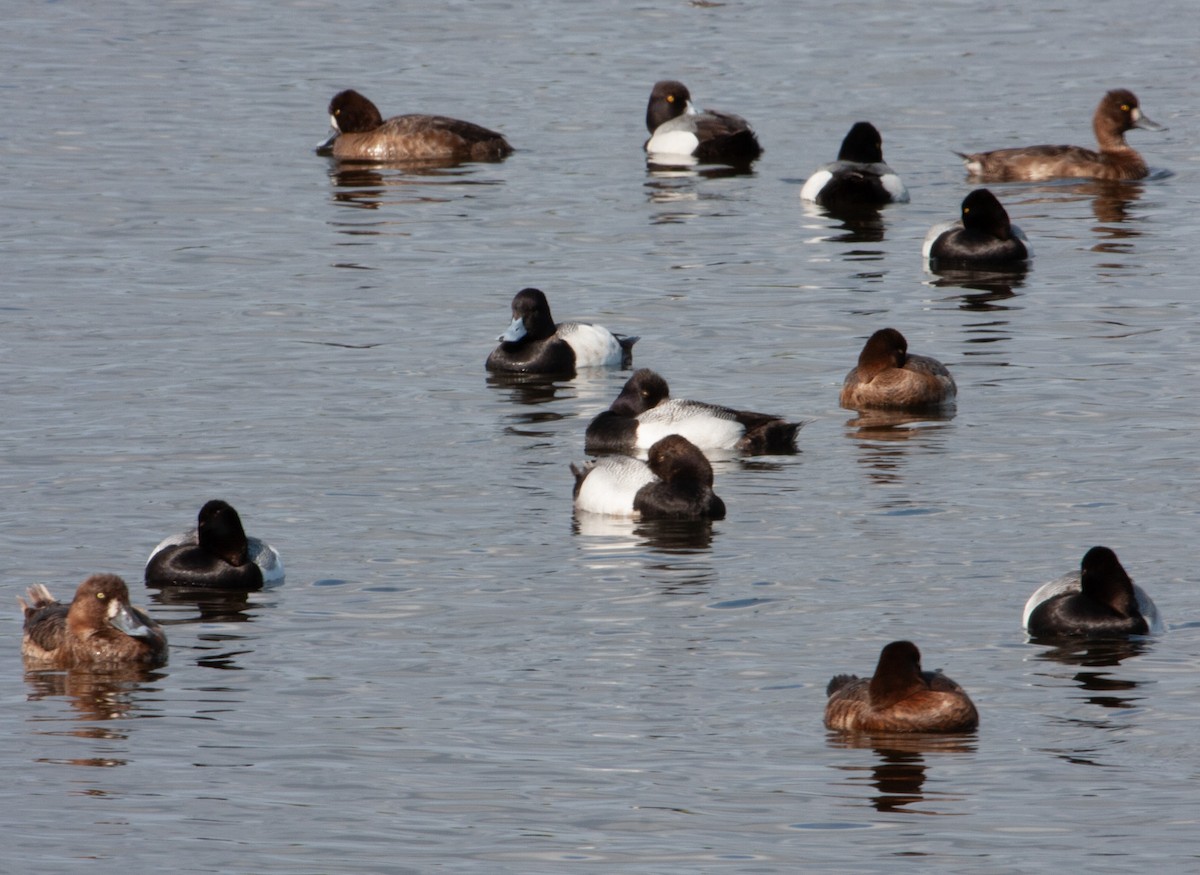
x=983, y=237
x=859, y=177
x=1097, y=601
x=99, y=627
x=889, y=377
x=899, y=697
x=682, y=134
x=644, y=412
x=676, y=482
x=535, y=344
x=361, y=134
x=217, y=554
x=1117, y=113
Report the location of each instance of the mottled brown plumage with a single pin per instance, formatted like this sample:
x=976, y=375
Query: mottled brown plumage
x=99, y=627
x=1117, y=113
x=363, y=135
x=899, y=697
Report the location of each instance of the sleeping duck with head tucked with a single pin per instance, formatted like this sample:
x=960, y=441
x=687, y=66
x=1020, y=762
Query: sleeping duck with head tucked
x=899, y=697
x=217, y=554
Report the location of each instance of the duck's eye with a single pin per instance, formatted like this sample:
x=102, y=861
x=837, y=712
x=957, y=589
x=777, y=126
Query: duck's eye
x=101, y=596
x=1125, y=107
x=966, y=210
x=670, y=98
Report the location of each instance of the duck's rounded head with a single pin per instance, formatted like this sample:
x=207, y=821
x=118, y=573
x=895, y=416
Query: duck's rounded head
x=668, y=99
x=351, y=113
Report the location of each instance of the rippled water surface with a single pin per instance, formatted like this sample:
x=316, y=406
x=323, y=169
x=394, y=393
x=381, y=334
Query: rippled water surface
x=458, y=676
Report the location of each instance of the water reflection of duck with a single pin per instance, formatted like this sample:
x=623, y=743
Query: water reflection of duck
x=1105, y=689
x=984, y=288
x=900, y=771
x=109, y=693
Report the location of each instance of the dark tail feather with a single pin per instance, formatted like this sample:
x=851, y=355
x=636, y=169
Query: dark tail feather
x=580, y=471
x=838, y=682
x=626, y=349
x=774, y=438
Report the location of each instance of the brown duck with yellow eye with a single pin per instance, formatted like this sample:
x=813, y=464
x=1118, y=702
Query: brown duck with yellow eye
x=99, y=627
x=899, y=697
x=889, y=377
x=361, y=134
x=1117, y=113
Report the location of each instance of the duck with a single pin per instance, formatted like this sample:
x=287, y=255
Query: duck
x=859, y=178
x=1097, y=601
x=361, y=134
x=889, y=377
x=644, y=412
x=1117, y=112
x=217, y=554
x=682, y=134
x=99, y=627
x=899, y=697
x=534, y=344
x=675, y=482
x=983, y=237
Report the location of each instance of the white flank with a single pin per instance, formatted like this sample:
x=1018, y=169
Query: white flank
x=934, y=233
x=1069, y=583
x=611, y=484
x=703, y=425
x=594, y=346
x=814, y=184
x=894, y=186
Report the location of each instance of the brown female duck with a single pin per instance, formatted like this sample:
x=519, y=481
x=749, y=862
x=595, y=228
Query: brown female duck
x=899, y=697
x=1117, y=113
x=361, y=134
x=99, y=627
x=889, y=377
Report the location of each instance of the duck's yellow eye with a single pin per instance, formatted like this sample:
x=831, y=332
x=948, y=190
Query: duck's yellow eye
x=966, y=210
x=670, y=98
x=101, y=595
x=1124, y=107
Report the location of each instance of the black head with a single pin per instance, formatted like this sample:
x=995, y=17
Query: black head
x=219, y=532
x=981, y=212
x=863, y=144
x=668, y=99
x=351, y=113
x=642, y=391
x=675, y=458
x=1104, y=579
x=532, y=308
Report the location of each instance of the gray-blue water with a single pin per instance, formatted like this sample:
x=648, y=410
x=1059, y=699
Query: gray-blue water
x=458, y=677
